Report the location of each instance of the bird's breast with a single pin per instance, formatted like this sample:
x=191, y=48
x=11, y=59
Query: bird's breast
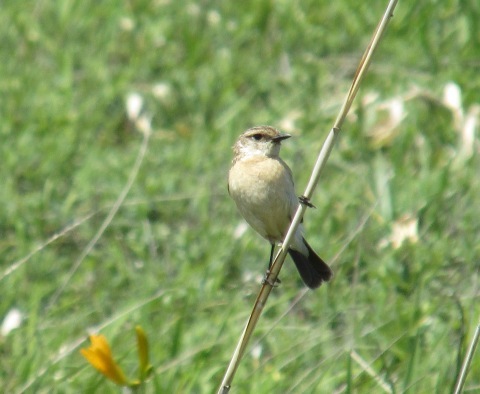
x=263, y=191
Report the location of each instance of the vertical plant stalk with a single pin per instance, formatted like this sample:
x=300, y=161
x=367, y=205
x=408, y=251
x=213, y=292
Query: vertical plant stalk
x=467, y=361
x=319, y=165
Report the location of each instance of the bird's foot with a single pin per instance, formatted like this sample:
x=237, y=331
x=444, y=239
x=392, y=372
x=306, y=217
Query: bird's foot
x=306, y=201
x=266, y=279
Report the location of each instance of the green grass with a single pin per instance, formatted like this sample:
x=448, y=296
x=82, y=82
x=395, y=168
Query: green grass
x=169, y=259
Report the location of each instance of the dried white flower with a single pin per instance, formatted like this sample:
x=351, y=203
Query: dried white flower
x=213, y=17
x=12, y=320
x=468, y=131
x=404, y=229
x=452, y=99
x=452, y=96
x=127, y=24
x=388, y=116
x=134, y=106
x=144, y=124
x=161, y=90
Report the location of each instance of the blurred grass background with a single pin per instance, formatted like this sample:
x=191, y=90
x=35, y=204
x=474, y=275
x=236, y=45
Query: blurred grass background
x=175, y=259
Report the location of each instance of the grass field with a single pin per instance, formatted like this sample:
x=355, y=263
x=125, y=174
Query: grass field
x=104, y=226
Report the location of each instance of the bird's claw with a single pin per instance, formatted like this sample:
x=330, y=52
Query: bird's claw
x=306, y=201
x=266, y=279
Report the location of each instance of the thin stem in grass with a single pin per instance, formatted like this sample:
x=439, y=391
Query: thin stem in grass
x=146, y=132
x=370, y=371
x=319, y=165
x=17, y=264
x=77, y=223
x=468, y=360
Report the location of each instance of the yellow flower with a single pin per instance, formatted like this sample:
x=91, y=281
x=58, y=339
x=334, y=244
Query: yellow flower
x=145, y=368
x=100, y=357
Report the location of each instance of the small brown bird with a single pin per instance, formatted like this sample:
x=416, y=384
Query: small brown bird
x=261, y=184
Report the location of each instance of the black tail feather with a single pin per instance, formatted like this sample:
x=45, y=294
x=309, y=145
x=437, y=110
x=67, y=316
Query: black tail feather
x=313, y=270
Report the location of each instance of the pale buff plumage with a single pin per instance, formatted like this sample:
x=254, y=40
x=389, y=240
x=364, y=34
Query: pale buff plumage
x=261, y=184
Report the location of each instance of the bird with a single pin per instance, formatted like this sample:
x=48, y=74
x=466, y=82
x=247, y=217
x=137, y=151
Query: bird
x=261, y=185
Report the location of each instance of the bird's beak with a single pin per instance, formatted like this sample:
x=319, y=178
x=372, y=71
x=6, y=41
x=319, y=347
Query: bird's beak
x=281, y=137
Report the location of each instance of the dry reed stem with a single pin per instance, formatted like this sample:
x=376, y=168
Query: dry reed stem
x=319, y=165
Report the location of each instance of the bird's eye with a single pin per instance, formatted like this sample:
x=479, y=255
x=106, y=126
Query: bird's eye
x=257, y=137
